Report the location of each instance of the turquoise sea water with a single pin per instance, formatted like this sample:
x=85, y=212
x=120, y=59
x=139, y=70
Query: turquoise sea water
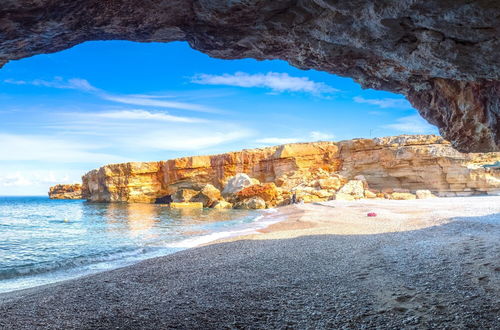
x=43, y=240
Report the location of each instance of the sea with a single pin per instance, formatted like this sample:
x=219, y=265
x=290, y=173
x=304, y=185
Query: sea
x=44, y=241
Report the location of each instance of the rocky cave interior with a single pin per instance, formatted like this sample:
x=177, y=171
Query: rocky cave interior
x=442, y=55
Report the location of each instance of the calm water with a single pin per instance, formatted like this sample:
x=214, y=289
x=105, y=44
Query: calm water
x=43, y=240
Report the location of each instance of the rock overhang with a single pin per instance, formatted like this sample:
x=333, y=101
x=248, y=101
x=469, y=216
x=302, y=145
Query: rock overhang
x=442, y=55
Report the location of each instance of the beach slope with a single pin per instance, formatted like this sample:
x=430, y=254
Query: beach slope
x=425, y=264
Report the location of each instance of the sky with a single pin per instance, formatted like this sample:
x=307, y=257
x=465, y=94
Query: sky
x=103, y=102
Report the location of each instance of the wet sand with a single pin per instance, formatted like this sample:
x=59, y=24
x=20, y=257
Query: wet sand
x=418, y=264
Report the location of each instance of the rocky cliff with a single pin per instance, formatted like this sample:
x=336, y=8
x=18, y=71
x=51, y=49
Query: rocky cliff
x=443, y=55
x=316, y=171
x=66, y=191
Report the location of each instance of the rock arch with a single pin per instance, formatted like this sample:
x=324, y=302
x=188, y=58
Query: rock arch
x=442, y=54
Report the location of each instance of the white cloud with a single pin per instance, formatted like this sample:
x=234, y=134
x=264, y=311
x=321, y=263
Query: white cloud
x=134, y=99
x=318, y=136
x=277, y=82
x=75, y=83
x=138, y=114
x=178, y=140
x=15, y=179
x=277, y=140
x=50, y=149
x=154, y=102
x=313, y=136
x=412, y=124
x=31, y=178
x=384, y=103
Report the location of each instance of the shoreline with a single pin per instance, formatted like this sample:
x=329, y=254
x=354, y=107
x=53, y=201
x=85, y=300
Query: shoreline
x=457, y=237
x=295, y=220
x=263, y=219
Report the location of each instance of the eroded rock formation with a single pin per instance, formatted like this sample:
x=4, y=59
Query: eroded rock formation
x=66, y=191
x=443, y=55
x=391, y=167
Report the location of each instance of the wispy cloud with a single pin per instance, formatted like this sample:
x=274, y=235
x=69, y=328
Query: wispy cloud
x=31, y=178
x=412, y=124
x=277, y=140
x=176, y=140
x=133, y=99
x=155, y=102
x=138, y=114
x=384, y=102
x=51, y=149
x=58, y=82
x=312, y=136
x=318, y=136
x=277, y=82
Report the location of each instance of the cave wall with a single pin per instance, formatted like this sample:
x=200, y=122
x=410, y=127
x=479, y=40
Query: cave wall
x=441, y=54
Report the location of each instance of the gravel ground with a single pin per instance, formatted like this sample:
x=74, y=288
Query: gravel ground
x=445, y=276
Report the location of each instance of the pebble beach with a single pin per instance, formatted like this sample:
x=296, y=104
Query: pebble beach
x=418, y=264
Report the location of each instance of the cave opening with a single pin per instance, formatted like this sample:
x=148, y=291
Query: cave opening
x=167, y=199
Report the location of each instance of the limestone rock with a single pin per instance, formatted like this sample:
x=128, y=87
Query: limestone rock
x=441, y=54
x=220, y=205
x=66, y=191
x=188, y=205
x=253, y=203
x=424, y=194
x=370, y=194
x=330, y=183
x=267, y=191
x=400, y=196
x=344, y=197
x=237, y=183
x=355, y=188
x=390, y=164
x=183, y=195
x=209, y=195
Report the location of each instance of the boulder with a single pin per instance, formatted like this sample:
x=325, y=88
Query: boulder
x=267, y=191
x=186, y=205
x=343, y=197
x=400, y=196
x=183, y=195
x=220, y=205
x=333, y=183
x=362, y=179
x=252, y=203
x=237, y=183
x=370, y=194
x=66, y=191
x=355, y=188
x=209, y=195
x=424, y=194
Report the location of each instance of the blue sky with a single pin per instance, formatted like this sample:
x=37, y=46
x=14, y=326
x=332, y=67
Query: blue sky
x=64, y=114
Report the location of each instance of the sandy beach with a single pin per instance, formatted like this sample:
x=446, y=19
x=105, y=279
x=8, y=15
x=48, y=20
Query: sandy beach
x=418, y=264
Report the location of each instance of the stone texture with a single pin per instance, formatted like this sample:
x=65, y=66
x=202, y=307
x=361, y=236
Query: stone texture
x=355, y=188
x=253, y=203
x=66, y=191
x=401, y=196
x=315, y=171
x=186, y=205
x=237, y=183
x=221, y=205
x=183, y=195
x=424, y=194
x=267, y=191
x=443, y=55
x=209, y=196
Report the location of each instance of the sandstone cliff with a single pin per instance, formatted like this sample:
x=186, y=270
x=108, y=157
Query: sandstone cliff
x=317, y=170
x=66, y=191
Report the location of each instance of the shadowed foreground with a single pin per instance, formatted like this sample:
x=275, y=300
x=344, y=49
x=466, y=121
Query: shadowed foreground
x=442, y=276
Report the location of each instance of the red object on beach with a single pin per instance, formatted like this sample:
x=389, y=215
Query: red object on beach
x=372, y=214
